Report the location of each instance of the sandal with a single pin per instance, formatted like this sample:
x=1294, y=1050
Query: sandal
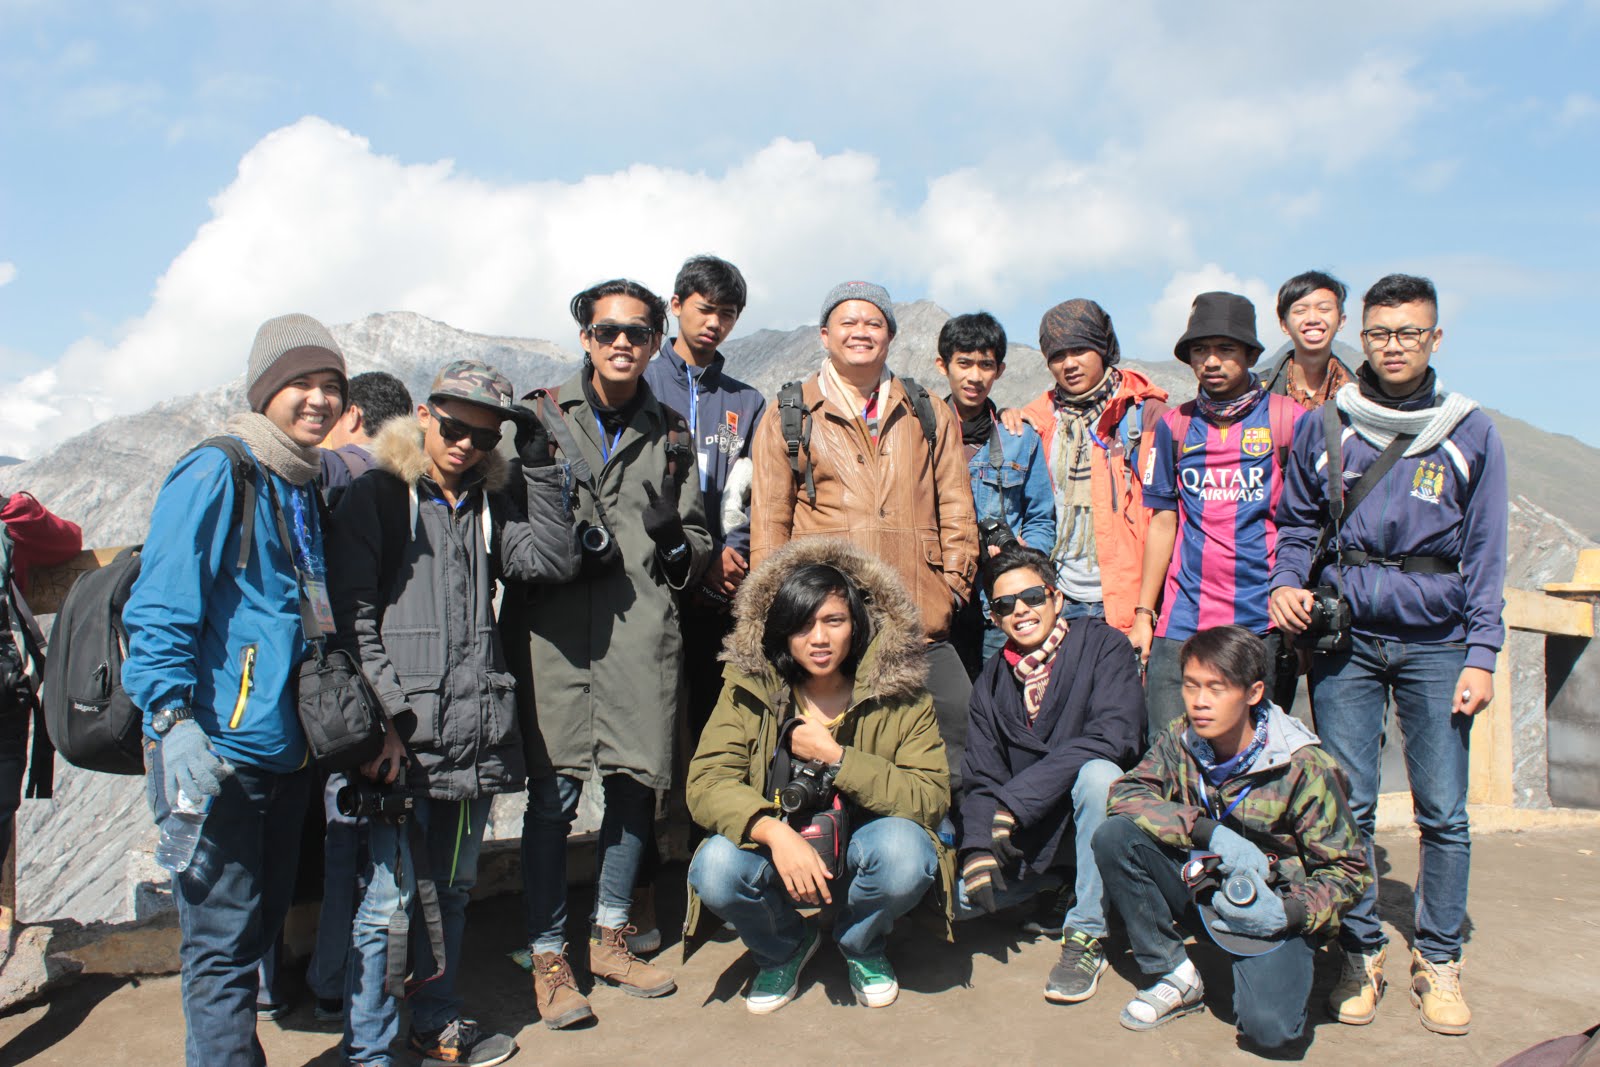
x=1169, y=999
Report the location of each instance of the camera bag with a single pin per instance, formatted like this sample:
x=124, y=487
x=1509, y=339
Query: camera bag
x=1340, y=505
x=827, y=830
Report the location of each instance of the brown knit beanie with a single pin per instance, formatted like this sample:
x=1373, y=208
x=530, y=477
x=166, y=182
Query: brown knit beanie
x=286, y=348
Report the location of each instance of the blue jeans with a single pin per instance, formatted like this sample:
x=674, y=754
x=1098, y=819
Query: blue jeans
x=1351, y=692
x=231, y=903
x=452, y=831
x=890, y=863
x=1270, y=992
x=552, y=805
x=341, y=857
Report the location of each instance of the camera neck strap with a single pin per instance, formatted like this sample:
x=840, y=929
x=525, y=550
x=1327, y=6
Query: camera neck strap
x=546, y=410
x=1340, y=504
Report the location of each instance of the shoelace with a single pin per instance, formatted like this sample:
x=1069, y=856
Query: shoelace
x=1085, y=951
x=1445, y=978
x=559, y=973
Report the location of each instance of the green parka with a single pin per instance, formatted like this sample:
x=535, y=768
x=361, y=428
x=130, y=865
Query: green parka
x=894, y=760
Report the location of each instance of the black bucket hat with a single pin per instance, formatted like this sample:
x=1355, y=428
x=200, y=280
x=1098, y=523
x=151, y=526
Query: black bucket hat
x=1220, y=315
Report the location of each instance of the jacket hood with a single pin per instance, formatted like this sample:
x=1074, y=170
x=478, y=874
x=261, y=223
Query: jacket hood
x=398, y=450
x=893, y=666
x=1286, y=735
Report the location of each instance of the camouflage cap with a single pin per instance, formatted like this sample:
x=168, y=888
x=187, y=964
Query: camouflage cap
x=476, y=382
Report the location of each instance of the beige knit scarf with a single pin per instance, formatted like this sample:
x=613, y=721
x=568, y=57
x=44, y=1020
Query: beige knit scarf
x=274, y=449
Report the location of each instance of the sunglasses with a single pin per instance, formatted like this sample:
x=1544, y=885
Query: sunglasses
x=606, y=333
x=453, y=430
x=1034, y=596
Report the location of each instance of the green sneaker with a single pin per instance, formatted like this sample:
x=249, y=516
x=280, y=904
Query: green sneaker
x=773, y=987
x=872, y=980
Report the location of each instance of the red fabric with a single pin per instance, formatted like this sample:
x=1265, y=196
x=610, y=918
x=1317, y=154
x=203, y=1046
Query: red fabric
x=38, y=538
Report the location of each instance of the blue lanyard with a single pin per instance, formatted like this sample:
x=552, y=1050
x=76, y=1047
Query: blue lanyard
x=605, y=449
x=1205, y=798
x=694, y=405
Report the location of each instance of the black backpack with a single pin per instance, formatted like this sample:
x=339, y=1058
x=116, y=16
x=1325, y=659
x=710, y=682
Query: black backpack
x=92, y=722
x=794, y=418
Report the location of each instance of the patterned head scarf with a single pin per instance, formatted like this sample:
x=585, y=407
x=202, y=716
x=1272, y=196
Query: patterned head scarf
x=1079, y=324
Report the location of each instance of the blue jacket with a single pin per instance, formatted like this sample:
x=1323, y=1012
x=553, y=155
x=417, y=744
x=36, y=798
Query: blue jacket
x=205, y=635
x=1449, y=501
x=723, y=413
x=1093, y=709
x=1019, y=491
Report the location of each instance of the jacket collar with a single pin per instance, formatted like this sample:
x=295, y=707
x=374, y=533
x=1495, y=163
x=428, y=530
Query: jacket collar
x=398, y=450
x=680, y=367
x=1285, y=737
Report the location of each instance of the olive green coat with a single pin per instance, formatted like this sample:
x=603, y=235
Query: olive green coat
x=894, y=760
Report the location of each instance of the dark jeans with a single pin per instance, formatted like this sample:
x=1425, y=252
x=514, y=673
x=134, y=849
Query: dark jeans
x=552, y=805
x=1163, y=680
x=342, y=859
x=951, y=690
x=1352, y=691
x=1142, y=881
x=13, y=762
x=232, y=902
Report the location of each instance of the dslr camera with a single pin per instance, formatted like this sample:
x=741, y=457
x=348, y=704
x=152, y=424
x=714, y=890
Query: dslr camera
x=361, y=799
x=994, y=533
x=1329, y=628
x=810, y=790
x=599, y=548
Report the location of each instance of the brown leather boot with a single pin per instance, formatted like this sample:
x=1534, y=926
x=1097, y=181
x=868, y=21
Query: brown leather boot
x=610, y=959
x=555, y=992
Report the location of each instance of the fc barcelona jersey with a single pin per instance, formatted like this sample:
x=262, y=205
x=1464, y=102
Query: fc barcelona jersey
x=1225, y=490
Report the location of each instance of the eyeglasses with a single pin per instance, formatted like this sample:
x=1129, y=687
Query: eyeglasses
x=453, y=430
x=606, y=333
x=1410, y=337
x=1034, y=596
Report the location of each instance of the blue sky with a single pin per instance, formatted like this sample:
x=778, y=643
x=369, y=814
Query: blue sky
x=174, y=173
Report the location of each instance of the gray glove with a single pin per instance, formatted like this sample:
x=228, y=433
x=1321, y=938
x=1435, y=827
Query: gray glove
x=189, y=763
x=1262, y=917
x=1237, y=853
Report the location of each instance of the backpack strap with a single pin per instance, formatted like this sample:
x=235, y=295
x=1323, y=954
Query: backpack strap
x=1182, y=416
x=549, y=413
x=679, y=448
x=922, y=404
x=795, y=422
x=244, y=487
x=1281, y=416
x=1130, y=429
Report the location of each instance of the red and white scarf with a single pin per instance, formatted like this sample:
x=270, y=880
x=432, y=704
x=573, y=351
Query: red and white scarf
x=1033, y=670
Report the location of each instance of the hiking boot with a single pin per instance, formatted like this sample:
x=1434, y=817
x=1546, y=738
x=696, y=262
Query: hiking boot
x=773, y=987
x=555, y=991
x=610, y=959
x=872, y=980
x=1050, y=913
x=1354, y=1000
x=459, y=1042
x=642, y=914
x=1436, y=990
x=1077, y=973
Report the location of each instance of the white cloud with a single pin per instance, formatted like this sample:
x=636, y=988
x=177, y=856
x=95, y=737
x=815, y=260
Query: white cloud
x=316, y=221
x=1169, y=315
x=1577, y=109
x=8, y=273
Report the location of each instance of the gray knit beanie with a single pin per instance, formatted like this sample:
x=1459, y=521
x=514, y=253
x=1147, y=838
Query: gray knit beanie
x=287, y=347
x=875, y=295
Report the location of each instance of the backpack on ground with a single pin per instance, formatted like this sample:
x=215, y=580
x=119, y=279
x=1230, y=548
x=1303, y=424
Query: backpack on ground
x=794, y=419
x=91, y=720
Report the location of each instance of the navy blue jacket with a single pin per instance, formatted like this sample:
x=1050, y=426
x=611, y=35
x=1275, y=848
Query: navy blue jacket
x=1093, y=709
x=1449, y=501
x=723, y=413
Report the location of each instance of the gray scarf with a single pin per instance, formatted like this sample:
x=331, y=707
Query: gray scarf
x=274, y=449
x=1379, y=425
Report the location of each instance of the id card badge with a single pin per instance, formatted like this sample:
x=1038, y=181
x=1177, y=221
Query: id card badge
x=321, y=606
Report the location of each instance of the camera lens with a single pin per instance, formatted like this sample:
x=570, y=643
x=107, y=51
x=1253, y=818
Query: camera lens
x=595, y=539
x=1240, y=891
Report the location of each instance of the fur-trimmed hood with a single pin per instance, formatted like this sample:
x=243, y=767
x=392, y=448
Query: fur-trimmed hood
x=398, y=450
x=893, y=666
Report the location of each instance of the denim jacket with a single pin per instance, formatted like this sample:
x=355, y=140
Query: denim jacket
x=1019, y=490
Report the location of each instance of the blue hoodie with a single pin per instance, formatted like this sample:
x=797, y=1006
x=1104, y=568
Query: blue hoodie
x=204, y=634
x=723, y=412
x=1449, y=501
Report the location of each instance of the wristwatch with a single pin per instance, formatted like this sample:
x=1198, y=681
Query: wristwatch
x=676, y=554
x=161, y=722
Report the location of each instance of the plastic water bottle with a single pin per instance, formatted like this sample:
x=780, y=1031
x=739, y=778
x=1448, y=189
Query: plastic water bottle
x=180, y=832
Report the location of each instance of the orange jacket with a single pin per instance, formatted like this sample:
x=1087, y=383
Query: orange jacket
x=1116, y=487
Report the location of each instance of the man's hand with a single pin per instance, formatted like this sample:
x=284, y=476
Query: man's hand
x=813, y=741
x=1141, y=635
x=1474, y=690
x=533, y=440
x=1013, y=420
x=661, y=519
x=385, y=766
x=797, y=863
x=1006, y=853
x=1238, y=853
x=981, y=880
x=190, y=765
x=1290, y=608
x=1262, y=917
x=727, y=570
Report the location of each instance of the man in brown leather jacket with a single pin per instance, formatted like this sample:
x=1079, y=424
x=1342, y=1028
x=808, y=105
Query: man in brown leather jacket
x=869, y=474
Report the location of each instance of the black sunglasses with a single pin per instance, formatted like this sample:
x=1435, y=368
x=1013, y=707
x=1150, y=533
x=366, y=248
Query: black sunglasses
x=606, y=333
x=1034, y=596
x=453, y=430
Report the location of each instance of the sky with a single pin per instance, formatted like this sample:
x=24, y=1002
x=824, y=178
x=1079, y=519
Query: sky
x=172, y=174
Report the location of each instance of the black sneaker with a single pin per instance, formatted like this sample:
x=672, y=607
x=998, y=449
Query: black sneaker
x=1050, y=913
x=461, y=1043
x=328, y=1010
x=1077, y=973
x=273, y=1010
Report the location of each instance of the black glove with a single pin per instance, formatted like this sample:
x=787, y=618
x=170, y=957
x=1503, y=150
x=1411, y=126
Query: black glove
x=533, y=441
x=1006, y=854
x=663, y=523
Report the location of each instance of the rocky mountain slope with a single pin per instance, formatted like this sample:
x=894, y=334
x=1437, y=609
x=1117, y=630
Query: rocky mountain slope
x=107, y=478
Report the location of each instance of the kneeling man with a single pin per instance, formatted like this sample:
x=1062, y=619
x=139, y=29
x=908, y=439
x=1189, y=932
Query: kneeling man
x=1245, y=783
